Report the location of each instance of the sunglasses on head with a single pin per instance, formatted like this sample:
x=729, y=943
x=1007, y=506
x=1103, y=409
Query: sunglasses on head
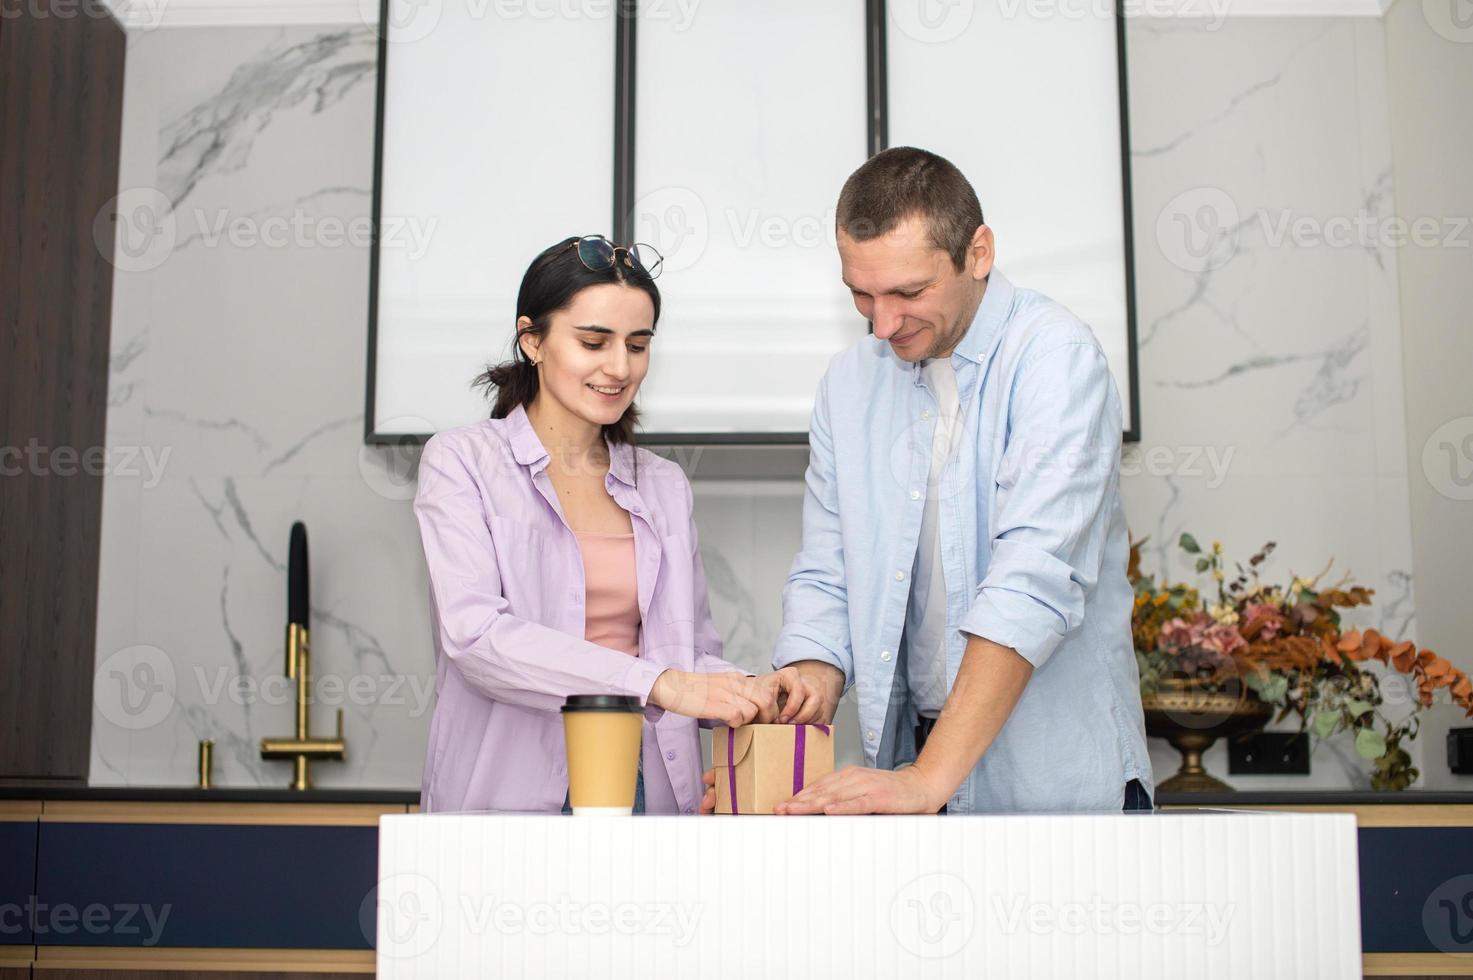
x=597, y=254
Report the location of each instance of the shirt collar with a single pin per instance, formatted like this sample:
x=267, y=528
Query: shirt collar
x=997, y=304
x=621, y=462
x=527, y=448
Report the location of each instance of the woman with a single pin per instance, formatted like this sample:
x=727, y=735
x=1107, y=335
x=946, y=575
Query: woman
x=563, y=561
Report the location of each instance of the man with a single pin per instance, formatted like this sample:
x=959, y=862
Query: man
x=964, y=548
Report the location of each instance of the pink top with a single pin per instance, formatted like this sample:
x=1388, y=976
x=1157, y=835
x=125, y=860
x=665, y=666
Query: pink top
x=611, y=585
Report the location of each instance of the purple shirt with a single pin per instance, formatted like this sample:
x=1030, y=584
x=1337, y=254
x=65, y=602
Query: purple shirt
x=507, y=607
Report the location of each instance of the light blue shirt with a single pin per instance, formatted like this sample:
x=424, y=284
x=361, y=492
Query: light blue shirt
x=1033, y=544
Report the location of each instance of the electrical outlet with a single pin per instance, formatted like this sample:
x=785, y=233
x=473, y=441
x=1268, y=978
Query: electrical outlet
x=1269, y=754
x=1460, y=750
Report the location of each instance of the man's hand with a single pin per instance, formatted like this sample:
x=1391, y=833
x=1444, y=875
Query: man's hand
x=728, y=697
x=708, y=799
x=854, y=789
x=791, y=690
x=988, y=685
x=822, y=686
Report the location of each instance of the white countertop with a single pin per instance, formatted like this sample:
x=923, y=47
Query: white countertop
x=1194, y=894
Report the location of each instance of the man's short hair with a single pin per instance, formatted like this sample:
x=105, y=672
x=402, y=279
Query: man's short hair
x=902, y=181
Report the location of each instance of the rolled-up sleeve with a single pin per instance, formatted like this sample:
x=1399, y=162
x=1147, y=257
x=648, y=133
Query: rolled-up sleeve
x=504, y=657
x=1059, y=474
x=816, y=595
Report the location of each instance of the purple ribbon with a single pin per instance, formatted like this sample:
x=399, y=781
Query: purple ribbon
x=800, y=739
x=731, y=766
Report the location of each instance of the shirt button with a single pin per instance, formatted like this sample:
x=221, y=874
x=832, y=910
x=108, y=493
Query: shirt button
x=689, y=810
x=670, y=755
x=635, y=509
x=900, y=576
x=870, y=735
x=915, y=495
x=885, y=655
x=926, y=414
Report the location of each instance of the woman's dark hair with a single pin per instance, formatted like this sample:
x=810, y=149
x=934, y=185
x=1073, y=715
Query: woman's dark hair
x=549, y=285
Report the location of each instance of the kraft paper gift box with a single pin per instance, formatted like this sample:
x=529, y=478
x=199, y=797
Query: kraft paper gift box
x=759, y=766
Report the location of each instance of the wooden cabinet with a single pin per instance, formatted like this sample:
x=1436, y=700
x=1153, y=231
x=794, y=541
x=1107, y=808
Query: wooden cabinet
x=61, y=94
x=231, y=883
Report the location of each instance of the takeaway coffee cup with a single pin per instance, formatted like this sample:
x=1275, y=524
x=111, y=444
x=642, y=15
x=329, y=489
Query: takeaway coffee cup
x=602, y=733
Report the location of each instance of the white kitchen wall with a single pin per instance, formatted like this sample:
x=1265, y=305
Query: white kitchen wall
x=1270, y=382
x=1430, y=57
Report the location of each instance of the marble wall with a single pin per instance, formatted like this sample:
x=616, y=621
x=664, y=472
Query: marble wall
x=1270, y=383
x=1265, y=340
x=239, y=363
x=1428, y=54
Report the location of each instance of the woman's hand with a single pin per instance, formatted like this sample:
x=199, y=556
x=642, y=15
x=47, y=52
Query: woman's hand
x=728, y=697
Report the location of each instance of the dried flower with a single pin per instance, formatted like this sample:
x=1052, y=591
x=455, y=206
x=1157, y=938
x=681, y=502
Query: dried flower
x=1263, y=619
x=1224, y=613
x=1288, y=643
x=1178, y=634
x=1224, y=639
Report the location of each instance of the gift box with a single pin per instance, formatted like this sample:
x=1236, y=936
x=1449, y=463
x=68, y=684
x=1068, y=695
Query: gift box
x=759, y=766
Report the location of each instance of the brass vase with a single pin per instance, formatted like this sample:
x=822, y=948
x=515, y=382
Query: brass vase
x=1192, y=717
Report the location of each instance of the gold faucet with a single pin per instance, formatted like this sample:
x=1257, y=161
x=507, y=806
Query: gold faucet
x=303, y=748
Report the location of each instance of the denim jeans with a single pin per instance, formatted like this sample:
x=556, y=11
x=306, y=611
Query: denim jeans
x=1136, y=797
x=638, y=793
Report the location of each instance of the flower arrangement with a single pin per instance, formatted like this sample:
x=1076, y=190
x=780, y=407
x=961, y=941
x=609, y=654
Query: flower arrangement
x=1286, y=646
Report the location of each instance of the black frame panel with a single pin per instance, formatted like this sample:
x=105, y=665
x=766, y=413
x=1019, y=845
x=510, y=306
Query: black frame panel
x=877, y=138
